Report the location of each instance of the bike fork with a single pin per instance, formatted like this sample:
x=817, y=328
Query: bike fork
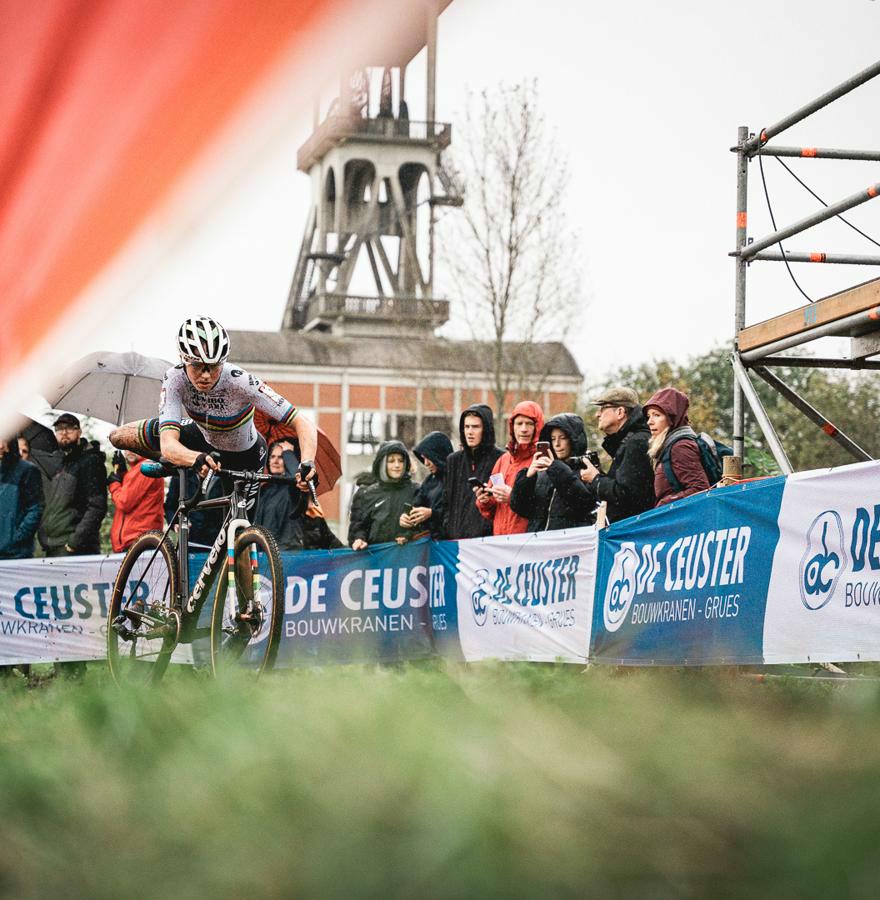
x=231, y=593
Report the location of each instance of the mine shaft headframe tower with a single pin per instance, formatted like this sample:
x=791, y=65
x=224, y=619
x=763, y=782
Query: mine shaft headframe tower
x=371, y=172
x=853, y=313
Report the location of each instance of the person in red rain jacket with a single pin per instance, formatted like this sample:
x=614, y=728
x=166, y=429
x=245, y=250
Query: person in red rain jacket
x=138, y=501
x=524, y=425
x=667, y=417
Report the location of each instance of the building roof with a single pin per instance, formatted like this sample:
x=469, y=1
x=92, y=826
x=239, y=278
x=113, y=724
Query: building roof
x=293, y=348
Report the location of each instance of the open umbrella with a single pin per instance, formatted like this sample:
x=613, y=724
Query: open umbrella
x=113, y=387
x=38, y=436
x=327, y=460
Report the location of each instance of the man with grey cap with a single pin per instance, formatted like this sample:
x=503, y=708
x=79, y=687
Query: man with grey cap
x=628, y=486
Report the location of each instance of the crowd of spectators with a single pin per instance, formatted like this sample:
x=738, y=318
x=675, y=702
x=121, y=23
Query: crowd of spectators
x=545, y=478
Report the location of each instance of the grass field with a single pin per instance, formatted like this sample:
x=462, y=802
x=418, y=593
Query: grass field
x=441, y=781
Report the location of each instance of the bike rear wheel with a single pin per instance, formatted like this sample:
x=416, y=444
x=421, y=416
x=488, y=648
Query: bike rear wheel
x=248, y=630
x=142, y=624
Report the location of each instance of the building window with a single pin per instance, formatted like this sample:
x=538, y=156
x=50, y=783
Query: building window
x=401, y=427
x=438, y=423
x=365, y=432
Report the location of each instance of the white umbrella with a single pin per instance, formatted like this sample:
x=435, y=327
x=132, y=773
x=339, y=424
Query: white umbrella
x=113, y=387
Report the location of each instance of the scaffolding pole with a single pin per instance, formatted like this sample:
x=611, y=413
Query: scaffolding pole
x=798, y=115
x=766, y=426
x=742, y=202
x=866, y=321
x=813, y=414
x=829, y=212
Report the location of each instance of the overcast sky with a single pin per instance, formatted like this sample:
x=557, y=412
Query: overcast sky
x=645, y=99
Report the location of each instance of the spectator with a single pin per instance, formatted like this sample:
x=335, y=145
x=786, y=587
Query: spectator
x=317, y=534
x=375, y=519
x=76, y=494
x=432, y=453
x=549, y=493
x=24, y=448
x=21, y=503
x=280, y=507
x=628, y=486
x=673, y=439
x=524, y=426
x=204, y=524
x=476, y=458
x=138, y=500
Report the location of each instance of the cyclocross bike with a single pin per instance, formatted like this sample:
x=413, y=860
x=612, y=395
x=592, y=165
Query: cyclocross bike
x=153, y=611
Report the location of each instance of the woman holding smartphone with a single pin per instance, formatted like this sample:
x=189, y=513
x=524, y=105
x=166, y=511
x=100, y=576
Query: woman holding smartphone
x=550, y=493
x=493, y=499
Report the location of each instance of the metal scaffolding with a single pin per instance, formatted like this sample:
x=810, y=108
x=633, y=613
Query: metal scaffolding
x=853, y=313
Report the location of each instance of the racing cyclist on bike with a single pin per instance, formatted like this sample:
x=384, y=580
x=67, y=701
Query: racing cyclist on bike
x=219, y=399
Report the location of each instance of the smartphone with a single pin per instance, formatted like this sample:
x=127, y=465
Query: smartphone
x=474, y=482
x=543, y=447
x=407, y=508
x=497, y=479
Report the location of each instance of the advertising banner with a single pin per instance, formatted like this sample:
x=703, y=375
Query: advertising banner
x=824, y=594
x=686, y=584
x=380, y=603
x=524, y=596
x=55, y=609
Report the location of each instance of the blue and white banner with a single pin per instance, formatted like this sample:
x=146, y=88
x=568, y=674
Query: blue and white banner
x=782, y=570
x=687, y=584
x=55, y=609
x=823, y=601
x=380, y=603
x=524, y=596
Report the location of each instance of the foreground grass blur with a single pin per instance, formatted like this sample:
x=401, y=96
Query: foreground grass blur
x=440, y=781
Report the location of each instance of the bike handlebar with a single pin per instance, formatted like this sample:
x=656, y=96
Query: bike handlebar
x=164, y=468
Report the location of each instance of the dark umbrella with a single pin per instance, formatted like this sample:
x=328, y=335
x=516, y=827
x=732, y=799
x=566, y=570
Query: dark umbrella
x=38, y=436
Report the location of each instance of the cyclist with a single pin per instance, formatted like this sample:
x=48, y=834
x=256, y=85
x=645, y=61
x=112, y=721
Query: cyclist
x=219, y=399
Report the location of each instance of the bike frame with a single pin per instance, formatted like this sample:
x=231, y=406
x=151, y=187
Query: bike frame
x=234, y=521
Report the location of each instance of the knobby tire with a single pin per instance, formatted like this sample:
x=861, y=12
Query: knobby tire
x=143, y=661
x=232, y=642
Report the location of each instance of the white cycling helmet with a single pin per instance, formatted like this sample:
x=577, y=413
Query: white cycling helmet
x=202, y=339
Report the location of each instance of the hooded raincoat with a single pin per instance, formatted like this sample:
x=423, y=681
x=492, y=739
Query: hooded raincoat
x=139, y=507
x=462, y=518
x=556, y=498
x=436, y=447
x=684, y=455
x=21, y=504
x=517, y=457
x=376, y=518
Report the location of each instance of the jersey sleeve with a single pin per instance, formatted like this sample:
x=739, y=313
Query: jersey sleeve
x=269, y=402
x=170, y=402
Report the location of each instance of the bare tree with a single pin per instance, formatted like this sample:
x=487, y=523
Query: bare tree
x=513, y=258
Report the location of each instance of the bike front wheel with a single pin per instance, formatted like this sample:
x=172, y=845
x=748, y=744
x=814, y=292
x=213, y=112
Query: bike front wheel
x=143, y=625
x=246, y=622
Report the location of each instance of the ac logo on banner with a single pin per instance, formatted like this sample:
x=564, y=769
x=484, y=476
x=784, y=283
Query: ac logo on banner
x=479, y=595
x=823, y=561
x=621, y=586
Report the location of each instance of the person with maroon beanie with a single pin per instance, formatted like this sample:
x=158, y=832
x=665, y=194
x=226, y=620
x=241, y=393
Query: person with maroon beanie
x=667, y=417
x=493, y=500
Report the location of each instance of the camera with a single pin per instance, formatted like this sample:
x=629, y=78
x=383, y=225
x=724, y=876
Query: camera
x=579, y=462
